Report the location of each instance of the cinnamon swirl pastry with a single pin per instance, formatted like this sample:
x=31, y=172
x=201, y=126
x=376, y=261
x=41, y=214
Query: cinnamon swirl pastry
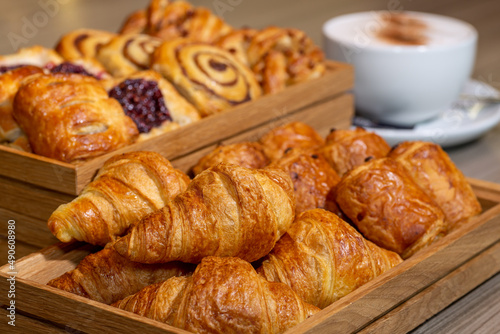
x=208, y=76
x=135, y=23
x=168, y=20
x=126, y=54
x=153, y=103
x=70, y=117
x=82, y=43
x=237, y=43
x=282, y=57
x=35, y=55
x=9, y=84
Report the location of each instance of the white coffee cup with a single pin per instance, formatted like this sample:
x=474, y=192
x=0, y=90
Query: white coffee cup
x=403, y=80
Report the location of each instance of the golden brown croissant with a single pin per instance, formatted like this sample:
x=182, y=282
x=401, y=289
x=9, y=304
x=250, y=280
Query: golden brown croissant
x=107, y=277
x=432, y=169
x=173, y=19
x=322, y=258
x=282, y=57
x=126, y=188
x=34, y=55
x=227, y=210
x=10, y=82
x=224, y=295
x=153, y=103
x=346, y=149
x=209, y=77
x=82, y=43
x=125, y=54
x=70, y=117
x=135, y=23
x=246, y=154
x=313, y=178
x=389, y=208
x=291, y=135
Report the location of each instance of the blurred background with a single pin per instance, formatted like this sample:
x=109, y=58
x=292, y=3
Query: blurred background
x=29, y=22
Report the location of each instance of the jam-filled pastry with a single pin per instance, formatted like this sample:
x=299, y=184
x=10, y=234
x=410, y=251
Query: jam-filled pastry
x=153, y=103
x=209, y=77
x=237, y=43
x=84, y=66
x=10, y=82
x=168, y=20
x=346, y=149
x=282, y=57
x=82, y=43
x=135, y=23
x=126, y=54
x=389, y=208
x=432, y=169
x=291, y=135
x=246, y=154
x=69, y=117
x=313, y=178
x=34, y=55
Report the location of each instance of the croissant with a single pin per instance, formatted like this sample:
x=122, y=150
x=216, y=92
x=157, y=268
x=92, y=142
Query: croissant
x=108, y=277
x=9, y=85
x=173, y=19
x=126, y=188
x=291, y=135
x=211, y=78
x=246, y=154
x=346, y=149
x=322, y=258
x=153, y=103
x=389, y=208
x=282, y=57
x=69, y=117
x=313, y=178
x=432, y=169
x=224, y=295
x=227, y=210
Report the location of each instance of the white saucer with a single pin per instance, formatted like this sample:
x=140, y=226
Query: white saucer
x=455, y=126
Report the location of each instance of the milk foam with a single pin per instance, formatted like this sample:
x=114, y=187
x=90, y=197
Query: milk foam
x=362, y=29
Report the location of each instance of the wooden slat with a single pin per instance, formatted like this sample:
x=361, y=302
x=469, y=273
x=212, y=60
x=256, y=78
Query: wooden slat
x=26, y=324
x=435, y=298
x=31, y=200
x=29, y=230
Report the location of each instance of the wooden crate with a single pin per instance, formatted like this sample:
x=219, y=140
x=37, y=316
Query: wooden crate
x=32, y=187
x=395, y=302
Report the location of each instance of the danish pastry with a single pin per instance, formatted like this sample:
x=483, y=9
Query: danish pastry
x=35, y=55
x=135, y=23
x=82, y=43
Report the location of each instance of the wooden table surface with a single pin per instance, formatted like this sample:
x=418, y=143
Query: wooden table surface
x=29, y=22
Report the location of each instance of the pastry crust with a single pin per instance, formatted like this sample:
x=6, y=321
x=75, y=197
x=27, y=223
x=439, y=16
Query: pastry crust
x=69, y=117
x=281, y=57
x=181, y=111
x=135, y=23
x=313, y=178
x=34, y=55
x=322, y=258
x=246, y=154
x=237, y=43
x=290, y=135
x=432, y=169
x=389, y=208
x=224, y=295
x=227, y=210
x=208, y=76
x=126, y=54
x=173, y=19
x=82, y=43
x=347, y=149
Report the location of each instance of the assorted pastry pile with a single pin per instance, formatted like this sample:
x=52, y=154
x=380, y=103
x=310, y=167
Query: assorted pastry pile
x=170, y=65
x=265, y=234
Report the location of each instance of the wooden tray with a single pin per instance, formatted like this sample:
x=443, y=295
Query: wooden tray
x=395, y=302
x=70, y=179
